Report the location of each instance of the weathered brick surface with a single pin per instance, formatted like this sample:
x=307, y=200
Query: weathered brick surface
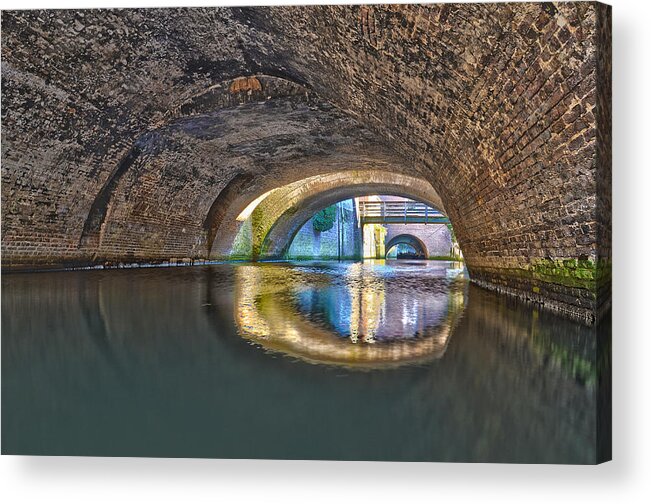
x=435, y=237
x=79, y=87
x=604, y=155
x=160, y=205
x=503, y=108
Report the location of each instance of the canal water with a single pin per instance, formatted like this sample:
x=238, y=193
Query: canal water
x=395, y=360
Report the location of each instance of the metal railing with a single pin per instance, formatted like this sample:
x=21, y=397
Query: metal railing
x=397, y=212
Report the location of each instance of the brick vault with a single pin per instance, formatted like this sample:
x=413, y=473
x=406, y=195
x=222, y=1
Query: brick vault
x=133, y=135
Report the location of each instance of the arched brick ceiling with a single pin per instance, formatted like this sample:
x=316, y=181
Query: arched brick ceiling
x=287, y=207
x=496, y=105
x=79, y=89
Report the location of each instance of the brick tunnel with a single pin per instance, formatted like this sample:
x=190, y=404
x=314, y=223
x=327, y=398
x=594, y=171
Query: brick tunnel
x=140, y=135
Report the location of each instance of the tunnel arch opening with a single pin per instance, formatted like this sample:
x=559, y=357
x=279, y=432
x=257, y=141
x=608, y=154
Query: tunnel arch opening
x=279, y=216
x=358, y=234
x=283, y=232
x=418, y=248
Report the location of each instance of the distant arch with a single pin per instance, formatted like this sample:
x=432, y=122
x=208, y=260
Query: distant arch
x=410, y=240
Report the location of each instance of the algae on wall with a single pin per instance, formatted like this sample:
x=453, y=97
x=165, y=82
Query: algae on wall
x=243, y=244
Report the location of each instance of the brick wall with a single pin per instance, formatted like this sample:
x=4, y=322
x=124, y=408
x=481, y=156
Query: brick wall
x=436, y=237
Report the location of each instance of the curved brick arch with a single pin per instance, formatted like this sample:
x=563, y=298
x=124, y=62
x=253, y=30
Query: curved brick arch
x=498, y=106
x=372, y=167
x=280, y=235
x=502, y=104
x=287, y=205
x=408, y=239
x=438, y=238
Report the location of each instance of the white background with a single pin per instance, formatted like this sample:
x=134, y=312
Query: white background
x=626, y=479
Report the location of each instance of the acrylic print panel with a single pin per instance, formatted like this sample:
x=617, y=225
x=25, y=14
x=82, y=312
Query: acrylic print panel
x=321, y=232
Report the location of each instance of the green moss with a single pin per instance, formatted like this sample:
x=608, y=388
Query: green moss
x=445, y=258
x=242, y=245
x=258, y=233
x=580, y=273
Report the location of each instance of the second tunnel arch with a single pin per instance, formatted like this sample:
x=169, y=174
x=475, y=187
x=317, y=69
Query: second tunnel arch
x=280, y=215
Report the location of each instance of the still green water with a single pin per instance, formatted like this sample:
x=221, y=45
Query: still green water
x=397, y=360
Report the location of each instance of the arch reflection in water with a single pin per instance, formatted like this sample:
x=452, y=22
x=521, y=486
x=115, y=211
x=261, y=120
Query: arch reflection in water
x=351, y=314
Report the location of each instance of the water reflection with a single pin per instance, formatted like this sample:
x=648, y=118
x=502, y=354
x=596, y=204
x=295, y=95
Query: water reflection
x=211, y=362
x=352, y=314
